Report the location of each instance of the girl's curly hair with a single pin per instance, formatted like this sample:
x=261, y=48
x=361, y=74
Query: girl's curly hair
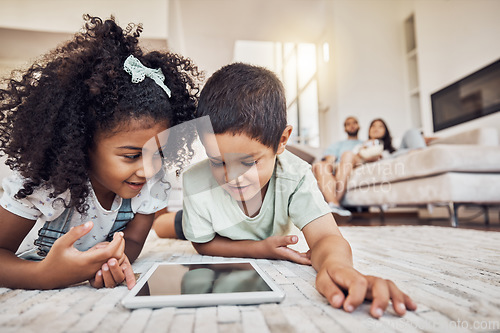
x=50, y=114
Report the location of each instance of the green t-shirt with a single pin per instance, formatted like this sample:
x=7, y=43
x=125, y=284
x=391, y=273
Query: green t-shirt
x=292, y=197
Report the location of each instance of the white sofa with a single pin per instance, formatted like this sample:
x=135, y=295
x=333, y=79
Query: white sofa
x=452, y=171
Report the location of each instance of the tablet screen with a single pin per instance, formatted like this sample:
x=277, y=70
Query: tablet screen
x=182, y=279
x=203, y=284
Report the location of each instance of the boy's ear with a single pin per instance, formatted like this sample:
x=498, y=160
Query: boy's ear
x=287, y=132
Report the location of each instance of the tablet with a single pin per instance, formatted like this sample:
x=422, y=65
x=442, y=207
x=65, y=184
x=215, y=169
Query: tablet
x=193, y=284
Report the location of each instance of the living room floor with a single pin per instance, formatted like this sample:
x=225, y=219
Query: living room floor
x=468, y=218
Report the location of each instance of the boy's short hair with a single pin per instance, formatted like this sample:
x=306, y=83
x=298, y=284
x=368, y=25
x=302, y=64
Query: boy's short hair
x=245, y=99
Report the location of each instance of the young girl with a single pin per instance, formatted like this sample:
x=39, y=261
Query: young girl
x=85, y=130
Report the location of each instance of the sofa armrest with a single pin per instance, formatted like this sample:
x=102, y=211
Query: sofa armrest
x=487, y=136
x=307, y=153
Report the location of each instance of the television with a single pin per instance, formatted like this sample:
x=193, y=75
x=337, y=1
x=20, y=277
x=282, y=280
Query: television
x=471, y=97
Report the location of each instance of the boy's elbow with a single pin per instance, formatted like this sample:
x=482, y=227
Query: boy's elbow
x=160, y=232
x=199, y=247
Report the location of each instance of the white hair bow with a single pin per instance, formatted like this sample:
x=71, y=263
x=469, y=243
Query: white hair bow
x=138, y=71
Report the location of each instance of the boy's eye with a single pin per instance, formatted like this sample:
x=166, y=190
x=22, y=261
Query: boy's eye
x=160, y=152
x=249, y=163
x=216, y=164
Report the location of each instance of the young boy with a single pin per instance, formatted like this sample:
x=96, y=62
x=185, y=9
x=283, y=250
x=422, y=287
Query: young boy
x=241, y=200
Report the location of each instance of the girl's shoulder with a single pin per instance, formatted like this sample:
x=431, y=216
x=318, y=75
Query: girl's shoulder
x=34, y=205
x=153, y=196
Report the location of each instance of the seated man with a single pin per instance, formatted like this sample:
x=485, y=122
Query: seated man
x=324, y=170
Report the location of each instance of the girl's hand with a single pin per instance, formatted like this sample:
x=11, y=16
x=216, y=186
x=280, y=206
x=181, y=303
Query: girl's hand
x=65, y=265
x=120, y=254
x=332, y=279
x=114, y=272
x=276, y=247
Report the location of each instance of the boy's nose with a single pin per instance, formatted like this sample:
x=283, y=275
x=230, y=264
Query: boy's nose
x=234, y=179
x=234, y=174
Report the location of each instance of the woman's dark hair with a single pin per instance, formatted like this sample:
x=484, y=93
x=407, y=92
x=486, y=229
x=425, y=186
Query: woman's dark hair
x=50, y=114
x=241, y=98
x=387, y=138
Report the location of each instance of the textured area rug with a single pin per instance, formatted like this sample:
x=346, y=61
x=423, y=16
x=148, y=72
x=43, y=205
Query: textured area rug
x=453, y=272
x=453, y=275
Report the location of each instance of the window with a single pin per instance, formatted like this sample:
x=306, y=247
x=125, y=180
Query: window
x=295, y=64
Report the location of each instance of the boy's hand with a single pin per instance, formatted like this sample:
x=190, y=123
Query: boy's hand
x=331, y=256
x=276, y=247
x=332, y=279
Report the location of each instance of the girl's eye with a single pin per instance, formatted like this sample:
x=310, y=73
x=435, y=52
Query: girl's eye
x=132, y=157
x=216, y=164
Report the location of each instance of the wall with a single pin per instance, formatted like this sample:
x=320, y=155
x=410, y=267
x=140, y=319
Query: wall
x=365, y=74
x=369, y=66
x=454, y=39
x=29, y=28
x=207, y=30
x=66, y=16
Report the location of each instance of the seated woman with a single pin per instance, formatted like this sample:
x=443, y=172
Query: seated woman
x=334, y=186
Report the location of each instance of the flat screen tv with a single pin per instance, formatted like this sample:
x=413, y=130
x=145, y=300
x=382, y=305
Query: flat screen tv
x=474, y=96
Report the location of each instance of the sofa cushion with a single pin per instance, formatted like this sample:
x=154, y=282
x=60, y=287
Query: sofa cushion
x=433, y=160
x=448, y=187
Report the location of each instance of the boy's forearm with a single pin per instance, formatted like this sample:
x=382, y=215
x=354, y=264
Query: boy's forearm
x=225, y=247
x=332, y=248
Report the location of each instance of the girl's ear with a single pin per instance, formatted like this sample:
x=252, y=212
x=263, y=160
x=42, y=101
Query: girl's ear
x=284, y=139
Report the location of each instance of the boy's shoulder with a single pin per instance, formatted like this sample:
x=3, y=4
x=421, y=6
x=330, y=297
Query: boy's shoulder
x=290, y=166
x=198, y=176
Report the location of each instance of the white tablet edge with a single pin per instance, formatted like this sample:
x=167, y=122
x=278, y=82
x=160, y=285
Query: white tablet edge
x=276, y=294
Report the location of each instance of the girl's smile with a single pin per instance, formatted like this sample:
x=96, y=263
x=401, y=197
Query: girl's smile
x=123, y=161
x=136, y=186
